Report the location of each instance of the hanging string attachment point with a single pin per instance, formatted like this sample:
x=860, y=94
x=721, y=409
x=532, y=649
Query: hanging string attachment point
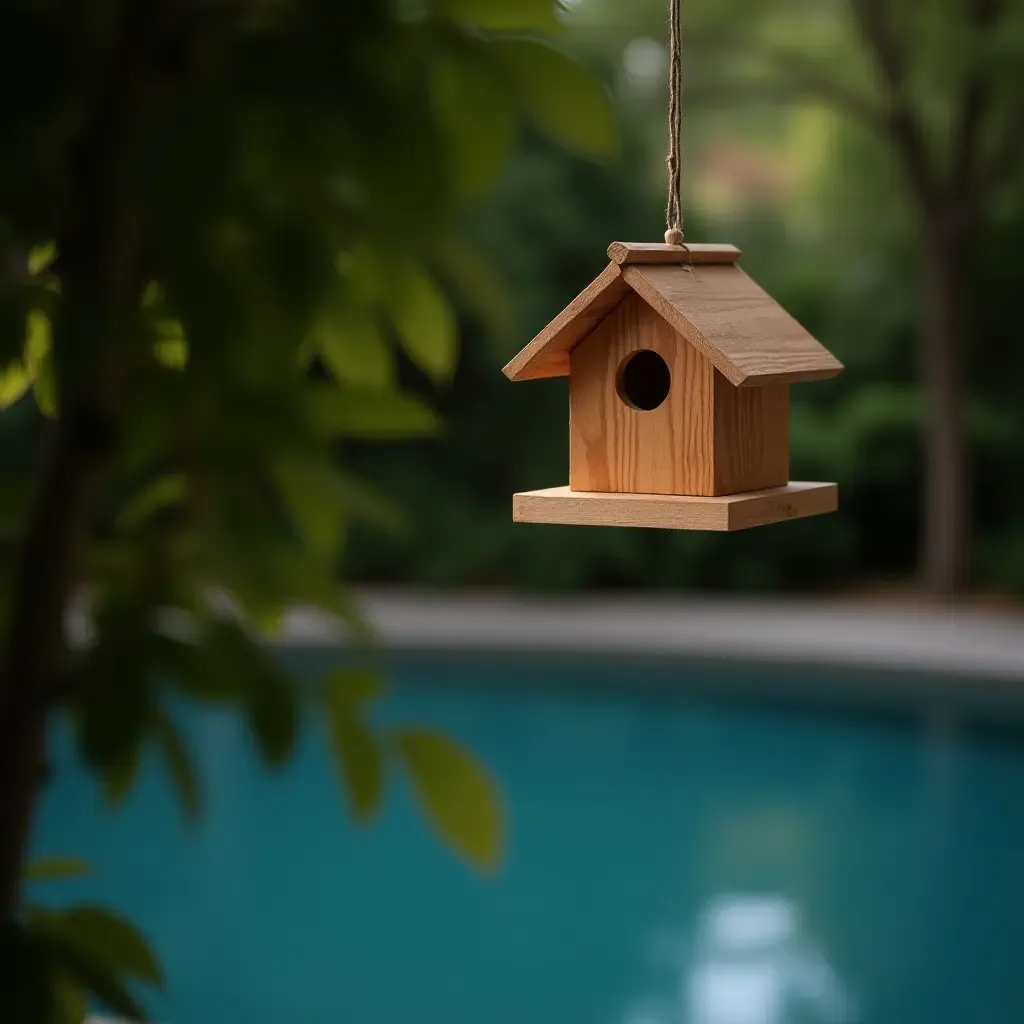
x=674, y=208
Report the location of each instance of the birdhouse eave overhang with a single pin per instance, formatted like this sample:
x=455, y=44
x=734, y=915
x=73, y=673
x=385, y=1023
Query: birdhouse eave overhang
x=701, y=292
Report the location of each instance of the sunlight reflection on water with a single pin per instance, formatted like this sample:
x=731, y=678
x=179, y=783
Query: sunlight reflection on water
x=750, y=962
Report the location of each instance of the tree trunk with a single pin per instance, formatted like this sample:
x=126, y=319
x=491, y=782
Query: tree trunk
x=101, y=277
x=100, y=270
x=35, y=646
x=945, y=513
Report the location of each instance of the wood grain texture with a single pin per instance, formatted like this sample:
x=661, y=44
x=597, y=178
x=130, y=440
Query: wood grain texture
x=751, y=437
x=726, y=513
x=698, y=253
x=613, y=447
x=548, y=354
x=749, y=338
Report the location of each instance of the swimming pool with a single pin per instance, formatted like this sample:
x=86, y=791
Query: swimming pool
x=680, y=853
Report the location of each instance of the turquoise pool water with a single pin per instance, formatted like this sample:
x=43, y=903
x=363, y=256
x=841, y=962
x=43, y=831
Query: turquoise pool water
x=675, y=858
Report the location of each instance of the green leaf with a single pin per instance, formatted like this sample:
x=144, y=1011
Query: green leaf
x=357, y=753
x=48, y=869
x=476, y=118
x=456, y=794
x=15, y=380
x=179, y=764
x=217, y=668
x=38, y=338
x=478, y=284
x=18, y=376
x=39, y=361
x=261, y=596
x=503, y=15
x=311, y=490
x=425, y=324
x=112, y=699
x=112, y=714
x=563, y=98
x=152, y=296
x=72, y=1005
x=163, y=492
x=233, y=666
x=93, y=949
x=41, y=256
x=118, y=777
x=44, y=387
x=353, y=347
x=112, y=938
x=354, y=685
x=170, y=346
x=174, y=656
x=367, y=271
x=370, y=415
x=89, y=971
x=273, y=716
x=265, y=689
x=344, y=607
x=171, y=353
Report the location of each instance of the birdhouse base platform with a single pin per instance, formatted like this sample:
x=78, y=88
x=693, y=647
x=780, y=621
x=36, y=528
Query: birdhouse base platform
x=727, y=512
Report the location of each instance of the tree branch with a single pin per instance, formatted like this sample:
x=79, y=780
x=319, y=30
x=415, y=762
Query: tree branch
x=890, y=56
x=795, y=89
x=808, y=78
x=991, y=173
x=789, y=75
x=982, y=15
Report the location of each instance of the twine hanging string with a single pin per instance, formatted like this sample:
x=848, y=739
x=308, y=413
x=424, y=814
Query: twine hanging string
x=674, y=210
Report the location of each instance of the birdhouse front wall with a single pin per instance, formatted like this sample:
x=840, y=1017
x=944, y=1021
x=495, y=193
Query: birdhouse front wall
x=613, y=447
x=706, y=437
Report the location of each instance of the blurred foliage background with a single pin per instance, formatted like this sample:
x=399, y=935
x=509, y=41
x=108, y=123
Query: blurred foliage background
x=789, y=152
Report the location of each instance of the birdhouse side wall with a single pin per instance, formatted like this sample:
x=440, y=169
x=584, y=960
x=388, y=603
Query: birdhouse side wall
x=751, y=437
x=616, y=448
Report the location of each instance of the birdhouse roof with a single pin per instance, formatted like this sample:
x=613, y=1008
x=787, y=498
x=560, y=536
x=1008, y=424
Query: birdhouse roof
x=701, y=292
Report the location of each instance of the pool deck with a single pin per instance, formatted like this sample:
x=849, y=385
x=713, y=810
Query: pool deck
x=948, y=642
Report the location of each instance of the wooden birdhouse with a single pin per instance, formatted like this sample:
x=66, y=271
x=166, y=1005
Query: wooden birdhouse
x=679, y=371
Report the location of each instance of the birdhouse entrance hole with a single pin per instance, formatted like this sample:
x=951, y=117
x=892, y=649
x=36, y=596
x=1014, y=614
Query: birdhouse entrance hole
x=643, y=380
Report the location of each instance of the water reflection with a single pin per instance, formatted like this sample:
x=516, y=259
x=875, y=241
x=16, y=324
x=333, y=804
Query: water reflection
x=750, y=962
